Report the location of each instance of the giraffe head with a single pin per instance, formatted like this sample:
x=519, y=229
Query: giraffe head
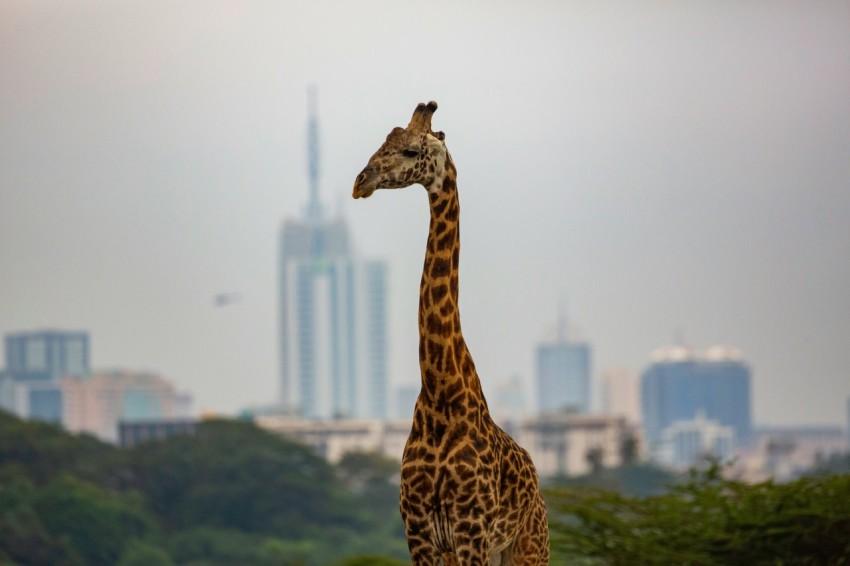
x=410, y=155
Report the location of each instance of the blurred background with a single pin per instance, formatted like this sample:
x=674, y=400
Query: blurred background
x=655, y=269
x=632, y=177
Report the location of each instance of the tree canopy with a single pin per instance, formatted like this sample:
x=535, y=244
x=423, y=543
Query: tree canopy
x=236, y=494
x=230, y=494
x=706, y=520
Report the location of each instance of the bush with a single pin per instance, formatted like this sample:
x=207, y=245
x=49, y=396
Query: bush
x=708, y=521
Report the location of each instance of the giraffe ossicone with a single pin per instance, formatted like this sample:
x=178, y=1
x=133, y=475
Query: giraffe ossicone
x=469, y=492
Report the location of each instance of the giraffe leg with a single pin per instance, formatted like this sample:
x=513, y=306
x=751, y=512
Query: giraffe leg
x=531, y=547
x=425, y=556
x=471, y=551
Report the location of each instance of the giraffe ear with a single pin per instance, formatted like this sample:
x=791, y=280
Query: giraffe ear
x=421, y=119
x=440, y=136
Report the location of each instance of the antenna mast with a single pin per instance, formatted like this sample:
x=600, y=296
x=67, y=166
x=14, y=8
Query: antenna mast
x=314, y=207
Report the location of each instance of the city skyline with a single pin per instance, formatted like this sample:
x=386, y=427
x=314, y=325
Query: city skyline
x=47, y=376
x=665, y=167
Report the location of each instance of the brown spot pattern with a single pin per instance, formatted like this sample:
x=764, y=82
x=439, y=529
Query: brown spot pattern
x=467, y=489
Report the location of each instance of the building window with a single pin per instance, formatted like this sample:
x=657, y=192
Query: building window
x=36, y=354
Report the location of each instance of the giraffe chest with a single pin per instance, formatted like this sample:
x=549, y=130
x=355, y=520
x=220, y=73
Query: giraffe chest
x=465, y=478
x=447, y=462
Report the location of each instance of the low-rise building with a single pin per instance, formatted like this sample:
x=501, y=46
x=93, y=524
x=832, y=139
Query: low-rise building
x=564, y=444
x=97, y=404
x=559, y=444
x=332, y=439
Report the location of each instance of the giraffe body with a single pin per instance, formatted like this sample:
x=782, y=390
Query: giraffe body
x=469, y=492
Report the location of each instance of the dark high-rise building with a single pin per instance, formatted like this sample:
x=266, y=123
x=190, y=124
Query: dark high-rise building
x=47, y=354
x=680, y=384
x=35, y=361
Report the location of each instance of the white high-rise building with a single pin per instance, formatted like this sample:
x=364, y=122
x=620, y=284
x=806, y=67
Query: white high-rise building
x=334, y=337
x=621, y=394
x=333, y=321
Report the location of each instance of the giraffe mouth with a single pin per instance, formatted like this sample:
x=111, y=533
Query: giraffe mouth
x=362, y=188
x=360, y=192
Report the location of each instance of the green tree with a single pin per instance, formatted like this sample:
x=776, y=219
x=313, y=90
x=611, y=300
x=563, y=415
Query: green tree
x=374, y=479
x=97, y=523
x=359, y=470
x=43, y=451
x=68, y=521
x=595, y=458
x=139, y=553
x=637, y=479
x=230, y=494
x=707, y=520
x=371, y=561
x=629, y=446
x=23, y=536
x=233, y=475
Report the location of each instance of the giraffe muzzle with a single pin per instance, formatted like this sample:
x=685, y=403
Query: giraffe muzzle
x=360, y=189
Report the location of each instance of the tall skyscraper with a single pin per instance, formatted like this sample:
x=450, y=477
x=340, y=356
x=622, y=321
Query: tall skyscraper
x=563, y=375
x=35, y=361
x=333, y=320
x=680, y=383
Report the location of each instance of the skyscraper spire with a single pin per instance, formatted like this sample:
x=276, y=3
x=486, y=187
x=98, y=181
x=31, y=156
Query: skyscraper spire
x=563, y=322
x=314, y=206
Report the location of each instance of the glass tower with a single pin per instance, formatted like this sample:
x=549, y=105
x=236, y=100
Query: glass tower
x=35, y=361
x=563, y=377
x=332, y=314
x=333, y=335
x=47, y=354
x=679, y=384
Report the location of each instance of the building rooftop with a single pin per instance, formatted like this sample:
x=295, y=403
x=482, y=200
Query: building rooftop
x=679, y=353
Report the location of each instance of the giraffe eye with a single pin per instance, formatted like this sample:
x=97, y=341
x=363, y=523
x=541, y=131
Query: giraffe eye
x=409, y=152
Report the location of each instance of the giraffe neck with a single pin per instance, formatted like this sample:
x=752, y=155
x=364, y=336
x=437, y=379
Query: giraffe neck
x=448, y=371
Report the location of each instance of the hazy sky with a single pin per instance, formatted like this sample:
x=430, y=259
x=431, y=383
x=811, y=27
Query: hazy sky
x=653, y=166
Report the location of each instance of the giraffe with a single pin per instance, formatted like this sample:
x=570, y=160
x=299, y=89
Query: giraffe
x=469, y=492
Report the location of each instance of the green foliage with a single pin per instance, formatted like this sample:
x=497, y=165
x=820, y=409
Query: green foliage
x=23, y=535
x=139, y=553
x=230, y=494
x=833, y=464
x=707, y=520
x=68, y=521
x=374, y=478
x=98, y=524
x=210, y=546
x=42, y=451
x=235, y=494
x=371, y=561
x=629, y=448
x=232, y=475
x=635, y=479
